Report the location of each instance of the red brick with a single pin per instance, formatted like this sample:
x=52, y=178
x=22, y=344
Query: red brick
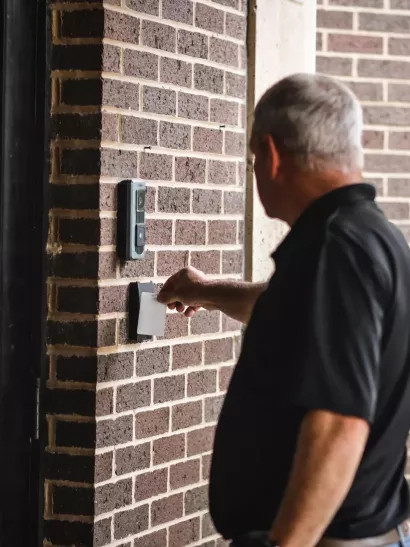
x=132, y=396
x=209, y=18
x=155, y=539
x=104, y=403
x=131, y=522
x=206, y=466
x=208, y=528
x=232, y=262
x=235, y=85
x=158, y=36
x=225, y=374
x=218, y=351
x=334, y=66
x=159, y=100
x=205, y=322
x=373, y=139
x=224, y=112
x=87, y=23
x=190, y=169
x=399, y=140
x=399, y=92
x=132, y=458
x=185, y=473
x=206, y=201
x=141, y=64
x=139, y=131
x=373, y=68
x=186, y=415
x=398, y=187
x=222, y=172
x=121, y=27
x=168, y=449
x=115, y=366
x=229, y=324
x=175, y=135
x=193, y=44
x=319, y=41
x=103, y=466
x=222, y=232
x=138, y=268
x=181, y=11
x=190, y=232
x=159, y=232
x=148, y=485
x=113, y=432
x=328, y=19
x=207, y=140
x=354, y=44
x=102, y=532
x=207, y=261
x=213, y=407
x=174, y=71
x=120, y=163
x=111, y=58
x=144, y=6
x=156, y=166
x=151, y=423
x=169, y=388
x=201, y=382
x=196, y=499
x=184, y=533
x=174, y=200
x=193, y=106
x=387, y=163
x=166, y=509
x=113, y=299
x=396, y=210
x=169, y=262
x=236, y=26
x=234, y=203
x=176, y=326
x=120, y=94
x=186, y=355
x=234, y=143
x=208, y=78
x=224, y=52
x=200, y=440
x=113, y=496
x=384, y=22
x=152, y=361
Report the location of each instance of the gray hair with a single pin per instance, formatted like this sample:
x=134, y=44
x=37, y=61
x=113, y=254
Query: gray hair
x=316, y=119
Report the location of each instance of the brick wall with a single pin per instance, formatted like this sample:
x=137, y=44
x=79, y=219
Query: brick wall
x=366, y=43
x=152, y=89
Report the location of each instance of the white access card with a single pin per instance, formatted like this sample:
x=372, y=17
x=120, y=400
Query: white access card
x=151, y=319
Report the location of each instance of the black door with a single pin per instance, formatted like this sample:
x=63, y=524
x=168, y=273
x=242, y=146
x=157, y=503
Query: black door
x=22, y=258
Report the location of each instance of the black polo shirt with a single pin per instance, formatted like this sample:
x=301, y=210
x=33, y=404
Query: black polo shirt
x=331, y=331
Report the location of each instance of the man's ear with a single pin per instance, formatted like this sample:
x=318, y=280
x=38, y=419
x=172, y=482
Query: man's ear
x=272, y=156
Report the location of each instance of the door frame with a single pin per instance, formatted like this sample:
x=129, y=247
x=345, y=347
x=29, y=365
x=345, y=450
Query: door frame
x=24, y=61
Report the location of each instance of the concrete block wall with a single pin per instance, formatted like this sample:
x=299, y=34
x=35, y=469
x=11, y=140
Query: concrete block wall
x=152, y=89
x=366, y=44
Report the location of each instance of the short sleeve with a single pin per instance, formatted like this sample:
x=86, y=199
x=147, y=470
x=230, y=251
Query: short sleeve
x=341, y=348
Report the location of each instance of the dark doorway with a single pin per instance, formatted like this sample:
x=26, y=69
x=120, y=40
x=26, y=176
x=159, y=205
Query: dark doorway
x=22, y=260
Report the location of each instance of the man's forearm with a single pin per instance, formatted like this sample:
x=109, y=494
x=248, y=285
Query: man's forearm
x=234, y=298
x=329, y=450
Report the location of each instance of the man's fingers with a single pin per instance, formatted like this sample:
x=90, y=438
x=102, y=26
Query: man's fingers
x=191, y=310
x=180, y=307
x=171, y=305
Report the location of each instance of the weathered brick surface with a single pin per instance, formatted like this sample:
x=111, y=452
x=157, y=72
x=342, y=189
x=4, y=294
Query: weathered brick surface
x=372, y=60
x=153, y=89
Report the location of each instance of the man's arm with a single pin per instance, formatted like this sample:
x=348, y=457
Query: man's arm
x=329, y=450
x=189, y=289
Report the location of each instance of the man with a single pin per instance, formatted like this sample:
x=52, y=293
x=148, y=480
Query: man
x=310, y=447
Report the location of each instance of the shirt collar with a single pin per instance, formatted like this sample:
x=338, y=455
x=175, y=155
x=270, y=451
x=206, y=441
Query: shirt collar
x=320, y=210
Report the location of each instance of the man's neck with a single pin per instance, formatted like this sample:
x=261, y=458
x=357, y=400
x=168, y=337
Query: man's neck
x=311, y=186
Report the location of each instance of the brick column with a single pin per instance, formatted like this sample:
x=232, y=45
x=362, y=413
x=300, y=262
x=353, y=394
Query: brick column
x=152, y=89
x=365, y=43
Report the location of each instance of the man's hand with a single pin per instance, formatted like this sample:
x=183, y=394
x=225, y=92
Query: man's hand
x=189, y=290
x=184, y=291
